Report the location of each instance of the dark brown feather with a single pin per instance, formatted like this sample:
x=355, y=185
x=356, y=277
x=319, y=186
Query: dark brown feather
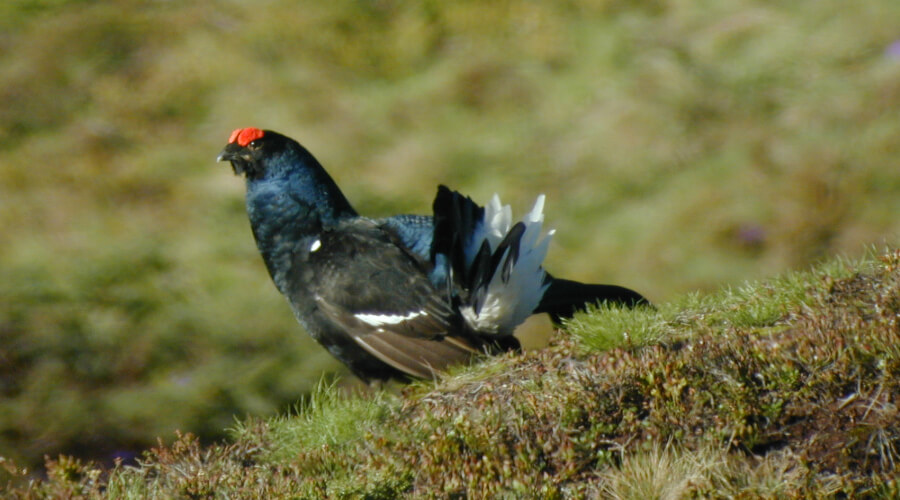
x=417, y=356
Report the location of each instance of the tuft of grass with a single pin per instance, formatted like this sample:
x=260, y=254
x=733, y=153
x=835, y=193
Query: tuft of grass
x=328, y=417
x=662, y=473
x=672, y=472
x=606, y=327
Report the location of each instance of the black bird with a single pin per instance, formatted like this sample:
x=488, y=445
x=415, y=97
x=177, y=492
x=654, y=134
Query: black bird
x=405, y=296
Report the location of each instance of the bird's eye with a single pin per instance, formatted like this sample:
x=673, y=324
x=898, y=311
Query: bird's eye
x=254, y=145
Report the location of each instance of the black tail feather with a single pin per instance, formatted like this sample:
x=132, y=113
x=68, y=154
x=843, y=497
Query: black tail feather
x=455, y=219
x=512, y=241
x=565, y=297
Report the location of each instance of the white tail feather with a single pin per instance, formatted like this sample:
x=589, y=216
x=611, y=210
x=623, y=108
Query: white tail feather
x=507, y=304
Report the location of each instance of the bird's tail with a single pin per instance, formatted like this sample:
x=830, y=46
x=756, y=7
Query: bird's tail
x=564, y=298
x=494, y=266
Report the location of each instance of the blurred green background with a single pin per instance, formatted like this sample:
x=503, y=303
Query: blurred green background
x=683, y=145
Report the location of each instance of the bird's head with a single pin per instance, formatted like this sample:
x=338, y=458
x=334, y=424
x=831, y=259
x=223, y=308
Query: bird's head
x=268, y=158
x=253, y=152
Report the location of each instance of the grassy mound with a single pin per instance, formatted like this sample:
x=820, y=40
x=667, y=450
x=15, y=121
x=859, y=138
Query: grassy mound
x=783, y=388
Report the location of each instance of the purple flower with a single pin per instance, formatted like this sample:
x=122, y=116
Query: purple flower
x=893, y=50
x=751, y=235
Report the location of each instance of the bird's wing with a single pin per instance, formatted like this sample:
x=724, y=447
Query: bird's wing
x=377, y=291
x=418, y=356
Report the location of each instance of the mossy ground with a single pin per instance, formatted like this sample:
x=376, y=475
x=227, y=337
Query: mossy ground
x=718, y=402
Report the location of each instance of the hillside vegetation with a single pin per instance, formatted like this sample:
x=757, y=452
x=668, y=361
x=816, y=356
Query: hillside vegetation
x=787, y=388
x=683, y=146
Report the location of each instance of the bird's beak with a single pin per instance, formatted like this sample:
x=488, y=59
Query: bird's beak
x=231, y=152
x=237, y=156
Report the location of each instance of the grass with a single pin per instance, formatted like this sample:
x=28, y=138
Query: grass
x=327, y=418
x=662, y=473
x=683, y=147
x=718, y=404
x=753, y=304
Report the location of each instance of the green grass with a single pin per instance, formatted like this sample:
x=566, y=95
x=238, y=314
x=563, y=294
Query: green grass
x=326, y=418
x=720, y=404
x=683, y=147
x=752, y=304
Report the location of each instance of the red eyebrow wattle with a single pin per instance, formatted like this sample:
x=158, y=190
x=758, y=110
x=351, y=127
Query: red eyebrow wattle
x=244, y=136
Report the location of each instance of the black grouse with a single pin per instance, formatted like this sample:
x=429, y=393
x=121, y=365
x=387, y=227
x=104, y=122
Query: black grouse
x=404, y=296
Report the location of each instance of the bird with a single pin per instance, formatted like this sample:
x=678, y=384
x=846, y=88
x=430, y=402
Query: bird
x=406, y=296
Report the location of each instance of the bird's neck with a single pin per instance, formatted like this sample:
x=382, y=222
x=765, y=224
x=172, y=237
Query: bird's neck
x=285, y=211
